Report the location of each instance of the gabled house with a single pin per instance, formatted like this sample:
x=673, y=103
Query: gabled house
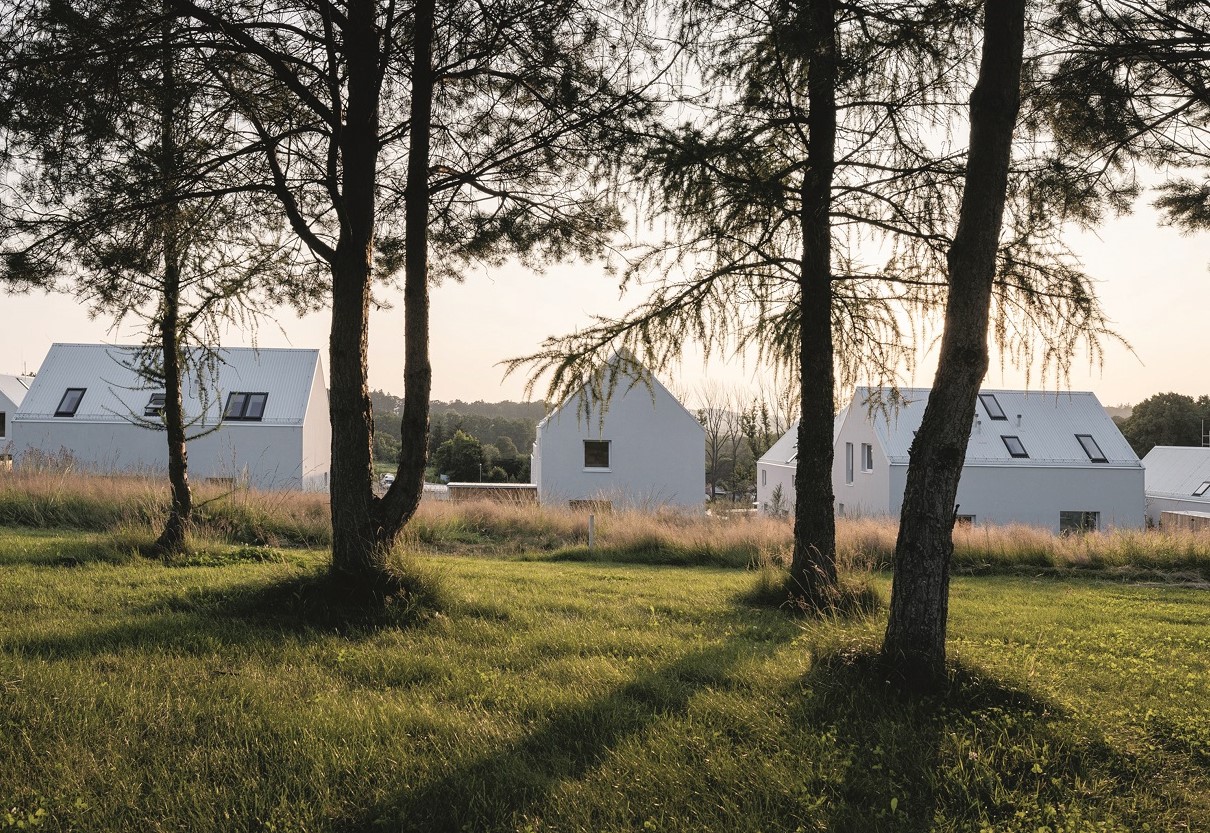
x=639, y=448
x=775, y=469
x=258, y=416
x=1177, y=480
x=1051, y=460
x=12, y=394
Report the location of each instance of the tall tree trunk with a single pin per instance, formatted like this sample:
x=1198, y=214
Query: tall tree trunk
x=401, y=500
x=359, y=545
x=364, y=528
x=173, y=537
x=915, y=635
x=813, y=568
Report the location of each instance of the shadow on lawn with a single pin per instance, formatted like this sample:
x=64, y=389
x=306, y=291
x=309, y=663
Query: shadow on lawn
x=494, y=792
x=981, y=754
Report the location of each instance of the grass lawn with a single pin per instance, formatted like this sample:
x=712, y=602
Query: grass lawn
x=581, y=697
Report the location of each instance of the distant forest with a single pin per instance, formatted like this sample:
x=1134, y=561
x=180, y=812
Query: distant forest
x=504, y=430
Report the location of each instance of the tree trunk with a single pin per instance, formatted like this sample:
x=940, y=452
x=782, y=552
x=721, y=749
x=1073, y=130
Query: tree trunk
x=401, y=500
x=176, y=528
x=915, y=635
x=360, y=545
x=813, y=568
x=364, y=528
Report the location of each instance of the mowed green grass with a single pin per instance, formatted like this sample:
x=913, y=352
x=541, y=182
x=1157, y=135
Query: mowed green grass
x=581, y=697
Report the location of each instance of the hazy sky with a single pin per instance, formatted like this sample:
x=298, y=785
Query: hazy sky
x=1152, y=281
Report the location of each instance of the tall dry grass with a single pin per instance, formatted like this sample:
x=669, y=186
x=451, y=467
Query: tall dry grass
x=48, y=500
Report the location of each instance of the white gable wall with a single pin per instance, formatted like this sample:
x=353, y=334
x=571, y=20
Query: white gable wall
x=317, y=436
x=657, y=451
x=870, y=491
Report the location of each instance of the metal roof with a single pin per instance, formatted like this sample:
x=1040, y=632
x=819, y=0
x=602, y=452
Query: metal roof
x=624, y=384
x=14, y=388
x=1177, y=472
x=1047, y=424
x=114, y=391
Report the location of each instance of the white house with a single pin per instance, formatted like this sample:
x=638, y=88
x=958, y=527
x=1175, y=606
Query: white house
x=12, y=394
x=775, y=469
x=1052, y=460
x=643, y=449
x=259, y=416
x=1178, y=480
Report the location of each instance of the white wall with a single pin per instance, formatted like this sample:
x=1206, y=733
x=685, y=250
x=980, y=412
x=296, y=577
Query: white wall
x=771, y=475
x=1036, y=495
x=657, y=453
x=270, y=456
x=1156, y=505
x=317, y=437
x=870, y=491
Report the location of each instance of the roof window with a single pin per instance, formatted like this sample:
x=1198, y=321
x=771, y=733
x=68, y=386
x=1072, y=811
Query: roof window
x=155, y=405
x=248, y=407
x=1201, y=490
x=1014, y=446
x=992, y=406
x=70, y=402
x=1091, y=448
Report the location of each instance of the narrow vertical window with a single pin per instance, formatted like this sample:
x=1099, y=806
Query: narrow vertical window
x=3, y=425
x=867, y=457
x=764, y=477
x=848, y=463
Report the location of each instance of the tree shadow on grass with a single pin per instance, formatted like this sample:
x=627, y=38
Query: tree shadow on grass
x=979, y=754
x=498, y=790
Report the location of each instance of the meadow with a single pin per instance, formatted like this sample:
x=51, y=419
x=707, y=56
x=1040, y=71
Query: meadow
x=536, y=690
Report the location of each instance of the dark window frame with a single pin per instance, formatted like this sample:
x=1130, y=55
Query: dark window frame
x=1088, y=521
x=3, y=425
x=1201, y=490
x=591, y=454
x=1022, y=455
x=848, y=464
x=998, y=413
x=67, y=409
x=1084, y=440
x=242, y=409
x=867, y=457
x=152, y=409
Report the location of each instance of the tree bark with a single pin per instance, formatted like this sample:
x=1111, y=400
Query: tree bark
x=359, y=545
x=176, y=528
x=813, y=568
x=915, y=635
x=364, y=527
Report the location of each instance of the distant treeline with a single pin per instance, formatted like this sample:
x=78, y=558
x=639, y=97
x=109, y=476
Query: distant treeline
x=504, y=425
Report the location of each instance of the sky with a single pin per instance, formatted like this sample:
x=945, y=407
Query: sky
x=1153, y=284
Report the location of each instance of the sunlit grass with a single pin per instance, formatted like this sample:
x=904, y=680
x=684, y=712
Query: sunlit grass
x=570, y=697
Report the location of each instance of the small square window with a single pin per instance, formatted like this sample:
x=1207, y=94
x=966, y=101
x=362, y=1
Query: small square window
x=249, y=407
x=964, y=520
x=70, y=402
x=1014, y=446
x=1091, y=448
x=992, y=406
x=155, y=405
x=596, y=454
x=1198, y=492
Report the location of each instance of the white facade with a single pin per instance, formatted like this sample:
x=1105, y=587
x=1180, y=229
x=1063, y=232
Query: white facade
x=1178, y=480
x=645, y=450
x=1051, y=460
x=88, y=403
x=12, y=394
x=776, y=468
